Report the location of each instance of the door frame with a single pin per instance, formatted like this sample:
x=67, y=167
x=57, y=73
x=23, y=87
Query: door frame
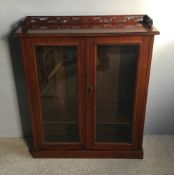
x=30, y=66
x=143, y=64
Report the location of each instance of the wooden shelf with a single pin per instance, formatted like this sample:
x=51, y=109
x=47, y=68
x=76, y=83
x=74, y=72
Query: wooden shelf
x=60, y=123
x=57, y=138
x=113, y=123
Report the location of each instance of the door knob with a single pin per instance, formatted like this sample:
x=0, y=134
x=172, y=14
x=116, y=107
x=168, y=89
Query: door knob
x=90, y=90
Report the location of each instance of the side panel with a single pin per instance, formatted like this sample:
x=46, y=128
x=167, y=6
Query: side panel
x=32, y=90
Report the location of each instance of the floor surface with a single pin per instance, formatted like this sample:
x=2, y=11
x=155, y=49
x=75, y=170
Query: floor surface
x=158, y=160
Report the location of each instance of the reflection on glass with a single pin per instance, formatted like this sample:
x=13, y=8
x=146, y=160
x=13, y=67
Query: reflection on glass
x=115, y=83
x=58, y=92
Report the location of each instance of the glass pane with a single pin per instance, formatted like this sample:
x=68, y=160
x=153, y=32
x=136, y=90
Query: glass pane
x=115, y=84
x=58, y=92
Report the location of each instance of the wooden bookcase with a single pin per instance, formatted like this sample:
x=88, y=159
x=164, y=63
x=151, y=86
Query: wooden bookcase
x=87, y=80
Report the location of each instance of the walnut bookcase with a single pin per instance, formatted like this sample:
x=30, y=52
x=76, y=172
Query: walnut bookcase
x=87, y=80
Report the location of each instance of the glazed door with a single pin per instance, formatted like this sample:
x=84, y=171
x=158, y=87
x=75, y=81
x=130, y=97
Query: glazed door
x=112, y=75
x=59, y=67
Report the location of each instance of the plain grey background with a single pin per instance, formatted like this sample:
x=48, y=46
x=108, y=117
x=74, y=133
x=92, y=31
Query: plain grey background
x=14, y=119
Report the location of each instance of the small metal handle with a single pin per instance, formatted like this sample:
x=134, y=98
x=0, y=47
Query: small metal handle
x=90, y=90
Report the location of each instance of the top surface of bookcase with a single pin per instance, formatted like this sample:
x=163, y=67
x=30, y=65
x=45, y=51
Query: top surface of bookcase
x=87, y=25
